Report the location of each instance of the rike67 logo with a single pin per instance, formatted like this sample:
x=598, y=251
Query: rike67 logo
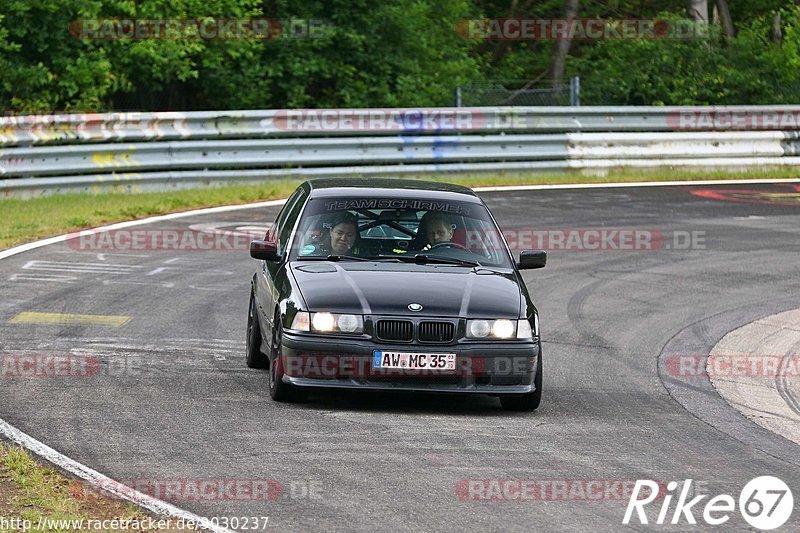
x=765, y=503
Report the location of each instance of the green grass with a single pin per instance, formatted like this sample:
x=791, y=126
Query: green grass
x=26, y=220
x=42, y=492
x=36, y=492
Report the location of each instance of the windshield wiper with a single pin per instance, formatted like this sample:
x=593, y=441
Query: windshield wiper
x=424, y=258
x=332, y=258
x=396, y=258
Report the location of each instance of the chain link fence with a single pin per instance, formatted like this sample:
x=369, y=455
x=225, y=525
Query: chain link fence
x=519, y=93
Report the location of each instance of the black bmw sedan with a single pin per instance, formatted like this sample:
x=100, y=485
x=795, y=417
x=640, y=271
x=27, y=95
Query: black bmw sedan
x=398, y=285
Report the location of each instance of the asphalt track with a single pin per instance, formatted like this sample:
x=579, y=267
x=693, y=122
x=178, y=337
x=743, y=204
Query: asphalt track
x=173, y=400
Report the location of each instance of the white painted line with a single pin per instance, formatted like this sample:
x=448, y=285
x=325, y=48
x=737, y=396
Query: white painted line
x=104, y=256
x=100, y=482
x=176, y=260
x=630, y=184
x=43, y=277
x=210, y=289
x=63, y=266
x=120, y=225
x=164, y=284
x=159, y=270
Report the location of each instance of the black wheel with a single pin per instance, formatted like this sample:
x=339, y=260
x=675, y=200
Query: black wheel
x=526, y=402
x=278, y=390
x=254, y=359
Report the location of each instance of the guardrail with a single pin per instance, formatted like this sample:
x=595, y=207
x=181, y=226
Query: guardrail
x=54, y=153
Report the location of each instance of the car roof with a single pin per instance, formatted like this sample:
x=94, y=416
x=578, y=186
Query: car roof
x=388, y=188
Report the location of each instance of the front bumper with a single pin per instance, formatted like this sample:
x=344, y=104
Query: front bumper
x=481, y=367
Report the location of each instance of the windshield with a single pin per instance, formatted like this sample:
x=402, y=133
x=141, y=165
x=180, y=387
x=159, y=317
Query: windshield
x=399, y=229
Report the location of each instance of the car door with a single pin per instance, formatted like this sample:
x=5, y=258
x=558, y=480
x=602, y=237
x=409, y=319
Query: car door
x=270, y=286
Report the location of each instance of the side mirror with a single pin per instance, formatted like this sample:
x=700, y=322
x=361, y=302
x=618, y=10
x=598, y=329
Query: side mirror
x=532, y=259
x=264, y=250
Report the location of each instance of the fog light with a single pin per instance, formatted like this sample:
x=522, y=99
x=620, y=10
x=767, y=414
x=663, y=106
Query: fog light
x=479, y=328
x=348, y=323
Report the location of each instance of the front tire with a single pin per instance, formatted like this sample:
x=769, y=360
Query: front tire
x=278, y=390
x=530, y=401
x=254, y=357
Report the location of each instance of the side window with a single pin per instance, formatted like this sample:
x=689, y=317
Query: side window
x=290, y=220
x=281, y=218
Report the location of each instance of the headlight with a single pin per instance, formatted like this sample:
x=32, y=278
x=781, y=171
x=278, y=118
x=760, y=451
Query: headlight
x=491, y=329
x=503, y=329
x=323, y=322
x=328, y=323
x=500, y=329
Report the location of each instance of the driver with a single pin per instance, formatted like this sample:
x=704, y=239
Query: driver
x=436, y=228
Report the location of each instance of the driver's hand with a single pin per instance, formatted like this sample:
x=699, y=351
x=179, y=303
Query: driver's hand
x=426, y=247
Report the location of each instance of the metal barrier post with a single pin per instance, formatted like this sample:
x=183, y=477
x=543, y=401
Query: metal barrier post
x=575, y=91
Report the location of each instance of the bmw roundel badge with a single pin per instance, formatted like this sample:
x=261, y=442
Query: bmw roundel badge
x=414, y=307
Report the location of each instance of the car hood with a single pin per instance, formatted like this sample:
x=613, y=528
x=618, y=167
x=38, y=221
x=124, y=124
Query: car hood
x=362, y=288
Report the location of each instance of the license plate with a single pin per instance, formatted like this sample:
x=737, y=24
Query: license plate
x=413, y=361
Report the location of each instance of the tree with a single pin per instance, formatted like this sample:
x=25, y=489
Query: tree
x=45, y=69
x=562, y=45
x=698, y=10
x=725, y=18
x=749, y=69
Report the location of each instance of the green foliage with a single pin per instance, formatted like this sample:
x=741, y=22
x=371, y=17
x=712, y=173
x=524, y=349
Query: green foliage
x=714, y=70
x=375, y=54
x=370, y=54
x=44, y=67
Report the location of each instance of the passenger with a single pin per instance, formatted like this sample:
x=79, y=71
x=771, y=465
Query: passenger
x=341, y=240
x=344, y=232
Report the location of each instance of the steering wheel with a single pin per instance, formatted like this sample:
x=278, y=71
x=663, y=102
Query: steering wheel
x=450, y=244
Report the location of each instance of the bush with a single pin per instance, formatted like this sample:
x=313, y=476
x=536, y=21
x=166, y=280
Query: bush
x=714, y=70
